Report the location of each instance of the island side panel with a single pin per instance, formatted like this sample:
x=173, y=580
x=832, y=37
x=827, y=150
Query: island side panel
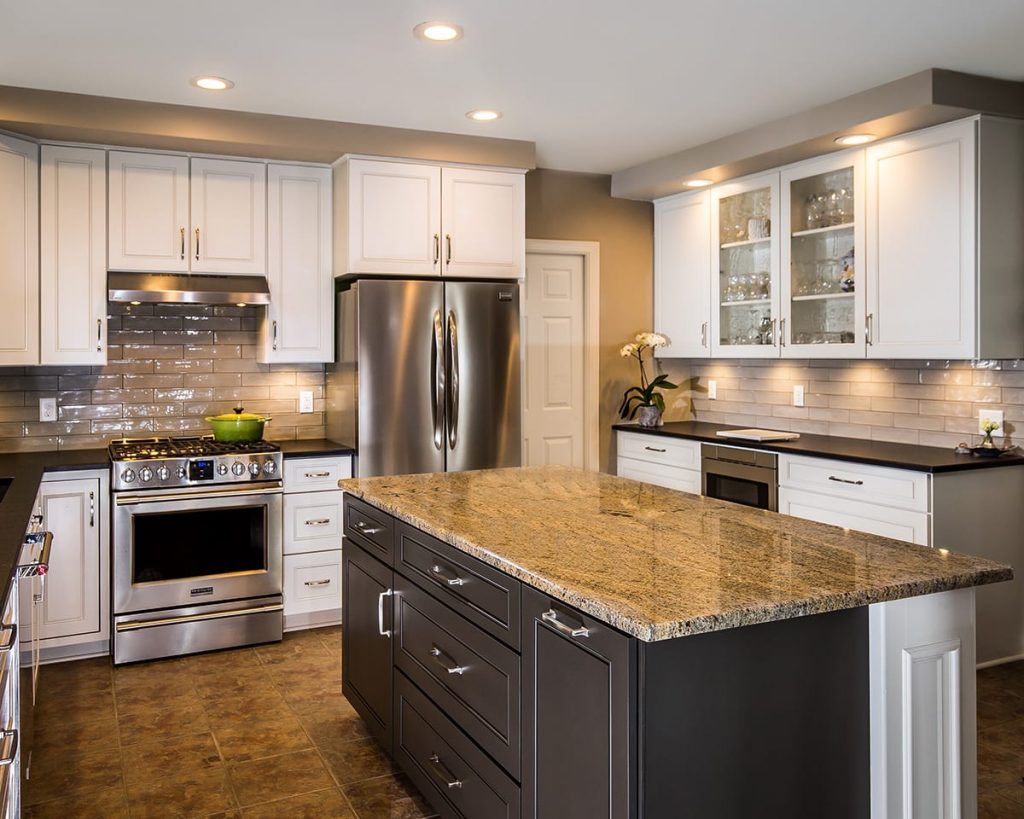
x=766, y=720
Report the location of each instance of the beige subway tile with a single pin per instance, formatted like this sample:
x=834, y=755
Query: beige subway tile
x=38, y=428
x=310, y=378
x=121, y=396
x=115, y=367
x=849, y=374
x=194, y=365
x=966, y=426
x=945, y=440
x=931, y=391
x=309, y=433
x=88, y=412
x=268, y=379
x=12, y=429
x=39, y=444
x=809, y=427
x=245, y=394
x=894, y=435
x=947, y=377
x=244, y=338
x=829, y=387
x=828, y=414
x=1006, y=378
x=211, y=323
x=83, y=441
x=850, y=430
x=19, y=413
x=294, y=419
x=934, y=423
x=184, y=394
x=129, y=336
x=955, y=408
x=774, y=398
x=772, y=422
x=850, y=402
x=872, y=388
x=88, y=382
x=981, y=395
x=213, y=380
x=136, y=352
x=875, y=419
x=17, y=399
x=183, y=337
x=213, y=351
x=179, y=425
x=152, y=410
x=790, y=412
x=894, y=404
x=277, y=433
x=163, y=323
x=162, y=380
x=239, y=365
x=20, y=383
x=122, y=426
x=288, y=391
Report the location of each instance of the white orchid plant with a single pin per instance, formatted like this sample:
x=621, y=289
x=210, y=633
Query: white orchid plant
x=646, y=395
x=988, y=426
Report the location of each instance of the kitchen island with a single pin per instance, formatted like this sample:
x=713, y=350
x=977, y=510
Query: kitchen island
x=550, y=642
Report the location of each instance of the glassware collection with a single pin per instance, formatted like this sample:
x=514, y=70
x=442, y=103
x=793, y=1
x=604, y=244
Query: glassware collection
x=745, y=230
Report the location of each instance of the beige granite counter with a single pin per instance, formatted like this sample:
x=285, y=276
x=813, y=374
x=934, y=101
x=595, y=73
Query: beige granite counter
x=659, y=564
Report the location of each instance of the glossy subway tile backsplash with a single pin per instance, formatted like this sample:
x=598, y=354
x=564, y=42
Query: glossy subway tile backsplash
x=168, y=366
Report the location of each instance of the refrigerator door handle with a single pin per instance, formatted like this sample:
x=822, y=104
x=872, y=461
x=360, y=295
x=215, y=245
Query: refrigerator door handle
x=453, y=381
x=437, y=368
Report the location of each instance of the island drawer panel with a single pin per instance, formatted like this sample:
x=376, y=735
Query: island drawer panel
x=456, y=777
x=659, y=449
x=900, y=488
x=370, y=528
x=473, y=677
x=483, y=595
x=671, y=477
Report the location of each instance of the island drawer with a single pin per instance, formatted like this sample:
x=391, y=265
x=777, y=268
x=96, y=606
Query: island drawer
x=659, y=449
x=455, y=776
x=370, y=528
x=468, y=673
x=901, y=488
x=483, y=595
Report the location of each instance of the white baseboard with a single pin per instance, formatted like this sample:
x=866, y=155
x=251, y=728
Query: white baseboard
x=1000, y=661
x=312, y=619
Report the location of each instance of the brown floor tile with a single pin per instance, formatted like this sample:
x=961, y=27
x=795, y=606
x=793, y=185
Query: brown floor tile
x=329, y=804
x=279, y=777
x=296, y=648
x=333, y=725
x=1001, y=755
x=72, y=773
x=199, y=793
x=227, y=684
x=170, y=756
x=172, y=691
x=74, y=705
x=261, y=698
x=993, y=805
x=218, y=661
x=353, y=761
x=53, y=736
x=148, y=724
x=259, y=734
x=388, y=797
x=110, y=803
x=95, y=674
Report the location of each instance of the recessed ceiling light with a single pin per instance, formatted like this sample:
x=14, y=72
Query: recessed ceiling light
x=212, y=83
x=698, y=183
x=484, y=115
x=241, y=304
x=855, y=139
x=438, y=32
x=135, y=303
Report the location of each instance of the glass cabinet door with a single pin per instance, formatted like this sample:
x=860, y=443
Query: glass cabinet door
x=745, y=245
x=822, y=258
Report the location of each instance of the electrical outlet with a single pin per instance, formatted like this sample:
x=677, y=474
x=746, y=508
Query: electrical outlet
x=798, y=395
x=47, y=409
x=991, y=415
x=305, y=401
x=712, y=390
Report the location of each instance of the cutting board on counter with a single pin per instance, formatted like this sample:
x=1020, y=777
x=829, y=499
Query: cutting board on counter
x=757, y=434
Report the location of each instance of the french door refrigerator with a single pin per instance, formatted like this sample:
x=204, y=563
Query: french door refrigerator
x=426, y=375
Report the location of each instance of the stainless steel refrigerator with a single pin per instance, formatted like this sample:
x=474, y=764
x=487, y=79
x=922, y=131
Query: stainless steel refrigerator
x=426, y=375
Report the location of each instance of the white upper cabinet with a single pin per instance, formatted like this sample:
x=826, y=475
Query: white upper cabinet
x=299, y=324
x=399, y=218
x=148, y=209
x=921, y=244
x=73, y=272
x=229, y=217
x=483, y=215
x=682, y=287
x=19, y=251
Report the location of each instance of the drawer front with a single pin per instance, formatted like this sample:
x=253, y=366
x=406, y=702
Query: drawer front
x=899, y=488
x=472, y=676
x=316, y=474
x=456, y=777
x=671, y=477
x=312, y=582
x=312, y=522
x=659, y=449
x=483, y=595
x=370, y=528
x=900, y=524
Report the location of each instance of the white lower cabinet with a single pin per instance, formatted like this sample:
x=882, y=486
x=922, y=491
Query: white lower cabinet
x=312, y=522
x=670, y=462
x=899, y=524
x=312, y=583
x=671, y=477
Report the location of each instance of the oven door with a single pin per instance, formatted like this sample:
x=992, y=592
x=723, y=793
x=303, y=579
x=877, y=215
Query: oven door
x=740, y=483
x=184, y=548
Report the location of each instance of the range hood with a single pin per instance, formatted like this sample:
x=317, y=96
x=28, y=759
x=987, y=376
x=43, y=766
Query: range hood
x=150, y=288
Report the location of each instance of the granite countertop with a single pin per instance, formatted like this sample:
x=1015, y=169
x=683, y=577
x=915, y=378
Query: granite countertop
x=660, y=564
x=314, y=448
x=880, y=453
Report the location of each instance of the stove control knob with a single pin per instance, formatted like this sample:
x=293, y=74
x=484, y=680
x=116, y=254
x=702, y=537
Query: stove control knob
x=238, y=468
x=180, y=472
x=163, y=473
x=270, y=467
x=128, y=475
x=145, y=474
x=254, y=468
x=222, y=469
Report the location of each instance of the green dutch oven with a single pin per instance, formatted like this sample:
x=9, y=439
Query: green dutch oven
x=238, y=426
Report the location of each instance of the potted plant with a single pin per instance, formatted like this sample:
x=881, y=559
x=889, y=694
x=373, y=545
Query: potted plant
x=988, y=426
x=645, y=402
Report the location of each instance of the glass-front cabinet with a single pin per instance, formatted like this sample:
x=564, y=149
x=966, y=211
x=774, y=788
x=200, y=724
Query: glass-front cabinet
x=822, y=294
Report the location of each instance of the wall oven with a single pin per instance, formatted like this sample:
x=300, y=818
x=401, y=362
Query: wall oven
x=746, y=476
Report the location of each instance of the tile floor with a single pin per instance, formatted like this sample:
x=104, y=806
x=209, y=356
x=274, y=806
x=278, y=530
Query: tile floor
x=259, y=732
x=1001, y=742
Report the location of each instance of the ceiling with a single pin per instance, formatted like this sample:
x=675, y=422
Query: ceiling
x=599, y=85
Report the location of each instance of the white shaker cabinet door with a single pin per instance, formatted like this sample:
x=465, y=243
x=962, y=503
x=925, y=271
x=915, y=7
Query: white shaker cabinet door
x=682, y=271
x=229, y=217
x=148, y=212
x=19, y=252
x=73, y=269
x=921, y=244
x=483, y=215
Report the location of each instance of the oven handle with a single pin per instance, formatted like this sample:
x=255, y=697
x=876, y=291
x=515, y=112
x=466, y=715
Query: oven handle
x=160, y=497
x=135, y=625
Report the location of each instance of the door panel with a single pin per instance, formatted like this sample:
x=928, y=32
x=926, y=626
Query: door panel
x=483, y=215
x=19, y=251
x=682, y=274
x=229, y=209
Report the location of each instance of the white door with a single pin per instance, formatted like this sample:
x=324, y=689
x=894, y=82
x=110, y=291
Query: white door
x=682, y=274
x=229, y=217
x=148, y=212
x=299, y=324
x=393, y=217
x=73, y=269
x=19, y=251
x=483, y=216
x=921, y=244
x=553, y=413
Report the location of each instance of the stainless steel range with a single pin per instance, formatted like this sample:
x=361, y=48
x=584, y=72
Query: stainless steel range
x=197, y=550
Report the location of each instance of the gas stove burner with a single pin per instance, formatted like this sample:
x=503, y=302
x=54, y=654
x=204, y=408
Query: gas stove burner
x=143, y=449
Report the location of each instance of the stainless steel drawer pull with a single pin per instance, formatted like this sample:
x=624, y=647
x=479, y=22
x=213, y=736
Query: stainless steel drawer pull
x=318, y=582
x=845, y=480
x=442, y=658
x=317, y=475
x=9, y=740
x=653, y=449
x=92, y=509
x=8, y=637
x=447, y=576
x=135, y=625
x=318, y=522
x=380, y=613
x=551, y=616
x=366, y=529
x=443, y=773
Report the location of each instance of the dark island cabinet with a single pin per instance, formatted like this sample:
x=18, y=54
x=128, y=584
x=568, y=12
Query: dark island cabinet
x=579, y=726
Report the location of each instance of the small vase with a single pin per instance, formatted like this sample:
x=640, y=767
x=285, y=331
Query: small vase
x=988, y=443
x=649, y=417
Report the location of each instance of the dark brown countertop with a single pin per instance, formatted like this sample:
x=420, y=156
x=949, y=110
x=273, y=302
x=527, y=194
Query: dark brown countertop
x=880, y=453
x=315, y=448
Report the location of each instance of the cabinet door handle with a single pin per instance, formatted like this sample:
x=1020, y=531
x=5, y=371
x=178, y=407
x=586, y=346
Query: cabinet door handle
x=183, y=243
x=447, y=576
x=442, y=773
x=99, y=335
x=326, y=582
x=380, y=613
x=704, y=335
x=442, y=658
x=275, y=333
x=845, y=480
x=782, y=332
x=868, y=322
x=448, y=243
x=318, y=522
x=437, y=247
x=775, y=333
x=551, y=616
x=653, y=449
x=366, y=529
x=325, y=475
x=92, y=509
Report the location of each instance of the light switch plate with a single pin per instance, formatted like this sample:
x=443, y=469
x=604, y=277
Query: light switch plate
x=305, y=401
x=993, y=415
x=798, y=395
x=712, y=390
x=47, y=409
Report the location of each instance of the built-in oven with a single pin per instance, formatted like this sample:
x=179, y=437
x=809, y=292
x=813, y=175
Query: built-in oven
x=195, y=569
x=746, y=476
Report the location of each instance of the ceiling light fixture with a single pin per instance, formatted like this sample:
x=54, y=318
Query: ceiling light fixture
x=483, y=115
x=698, y=183
x=438, y=32
x=212, y=83
x=855, y=139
